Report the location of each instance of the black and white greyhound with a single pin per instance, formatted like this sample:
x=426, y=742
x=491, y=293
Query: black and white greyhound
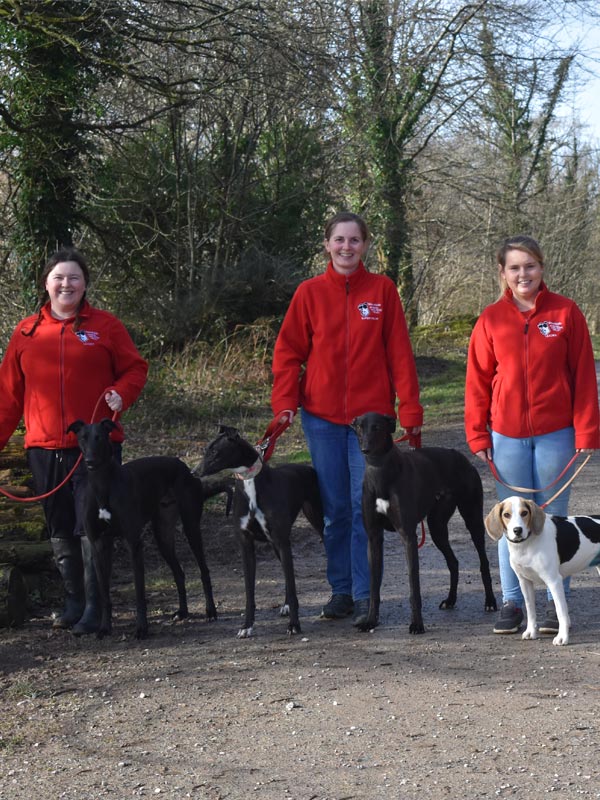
x=121, y=499
x=403, y=487
x=266, y=502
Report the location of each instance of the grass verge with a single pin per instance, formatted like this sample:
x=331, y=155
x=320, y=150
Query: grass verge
x=191, y=391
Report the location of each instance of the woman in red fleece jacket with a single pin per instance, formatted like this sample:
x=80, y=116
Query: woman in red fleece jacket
x=343, y=349
x=57, y=365
x=531, y=398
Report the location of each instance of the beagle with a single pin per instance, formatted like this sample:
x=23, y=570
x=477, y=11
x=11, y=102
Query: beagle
x=545, y=548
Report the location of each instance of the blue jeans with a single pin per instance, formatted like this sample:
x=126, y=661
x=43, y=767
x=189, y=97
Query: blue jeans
x=531, y=463
x=340, y=467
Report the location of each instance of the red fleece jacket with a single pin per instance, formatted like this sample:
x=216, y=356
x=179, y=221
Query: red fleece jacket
x=350, y=336
x=531, y=373
x=56, y=376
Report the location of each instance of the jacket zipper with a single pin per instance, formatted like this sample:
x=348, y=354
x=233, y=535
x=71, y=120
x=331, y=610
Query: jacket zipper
x=61, y=367
x=527, y=383
x=347, y=349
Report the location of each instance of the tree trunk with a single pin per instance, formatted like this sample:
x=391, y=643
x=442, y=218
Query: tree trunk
x=27, y=556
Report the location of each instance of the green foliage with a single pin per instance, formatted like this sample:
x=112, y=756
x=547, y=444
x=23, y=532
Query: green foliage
x=448, y=339
x=49, y=79
x=192, y=390
x=442, y=389
x=223, y=250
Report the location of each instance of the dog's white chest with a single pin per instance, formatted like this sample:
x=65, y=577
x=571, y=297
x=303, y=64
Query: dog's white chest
x=382, y=506
x=254, y=511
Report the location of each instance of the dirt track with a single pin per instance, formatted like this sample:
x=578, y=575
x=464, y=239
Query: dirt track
x=329, y=715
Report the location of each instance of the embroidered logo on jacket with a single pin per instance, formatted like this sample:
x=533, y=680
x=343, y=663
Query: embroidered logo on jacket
x=550, y=329
x=370, y=310
x=88, y=337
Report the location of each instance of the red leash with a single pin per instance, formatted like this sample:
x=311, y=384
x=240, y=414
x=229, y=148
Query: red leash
x=494, y=472
x=70, y=474
x=414, y=442
x=278, y=425
x=266, y=445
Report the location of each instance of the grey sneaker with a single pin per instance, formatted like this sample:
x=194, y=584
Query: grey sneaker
x=338, y=606
x=361, y=611
x=509, y=618
x=550, y=623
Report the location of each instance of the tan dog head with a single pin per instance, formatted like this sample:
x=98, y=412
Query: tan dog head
x=517, y=518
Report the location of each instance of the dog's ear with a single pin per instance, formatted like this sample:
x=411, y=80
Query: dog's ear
x=108, y=425
x=493, y=522
x=228, y=430
x=538, y=516
x=391, y=421
x=76, y=426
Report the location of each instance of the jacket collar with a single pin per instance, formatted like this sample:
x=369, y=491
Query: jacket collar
x=351, y=281
x=84, y=312
x=539, y=300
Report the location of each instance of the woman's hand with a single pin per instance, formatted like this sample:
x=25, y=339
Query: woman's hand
x=114, y=400
x=414, y=436
x=484, y=455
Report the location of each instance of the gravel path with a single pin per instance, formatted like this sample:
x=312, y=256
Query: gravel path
x=328, y=715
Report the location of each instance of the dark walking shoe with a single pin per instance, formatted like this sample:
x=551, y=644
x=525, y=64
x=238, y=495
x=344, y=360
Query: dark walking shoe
x=550, y=623
x=361, y=611
x=338, y=606
x=509, y=619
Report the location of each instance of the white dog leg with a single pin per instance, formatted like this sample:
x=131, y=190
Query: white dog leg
x=562, y=612
x=528, y=589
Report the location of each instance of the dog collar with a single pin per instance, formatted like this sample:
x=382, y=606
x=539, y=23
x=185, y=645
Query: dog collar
x=248, y=473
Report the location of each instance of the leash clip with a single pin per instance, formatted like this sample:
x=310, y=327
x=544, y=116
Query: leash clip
x=274, y=430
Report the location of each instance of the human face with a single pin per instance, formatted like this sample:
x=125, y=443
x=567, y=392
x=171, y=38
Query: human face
x=65, y=285
x=523, y=275
x=346, y=247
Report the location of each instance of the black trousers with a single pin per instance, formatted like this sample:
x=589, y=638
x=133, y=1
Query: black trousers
x=63, y=509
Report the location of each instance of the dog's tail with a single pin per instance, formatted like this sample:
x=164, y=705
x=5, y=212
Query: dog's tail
x=222, y=486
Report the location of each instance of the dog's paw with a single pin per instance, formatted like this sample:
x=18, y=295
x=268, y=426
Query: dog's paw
x=367, y=626
x=210, y=613
x=491, y=604
x=561, y=639
x=294, y=628
x=447, y=604
x=529, y=633
x=180, y=615
x=284, y=611
x=245, y=633
x=416, y=627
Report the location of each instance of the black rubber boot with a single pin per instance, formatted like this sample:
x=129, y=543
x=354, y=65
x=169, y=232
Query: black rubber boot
x=67, y=555
x=90, y=619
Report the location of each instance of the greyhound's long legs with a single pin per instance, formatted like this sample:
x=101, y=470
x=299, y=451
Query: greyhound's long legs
x=137, y=562
x=249, y=565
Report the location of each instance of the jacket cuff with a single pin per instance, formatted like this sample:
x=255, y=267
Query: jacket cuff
x=482, y=443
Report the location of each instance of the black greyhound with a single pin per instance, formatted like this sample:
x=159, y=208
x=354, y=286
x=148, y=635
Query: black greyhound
x=403, y=487
x=120, y=500
x=266, y=502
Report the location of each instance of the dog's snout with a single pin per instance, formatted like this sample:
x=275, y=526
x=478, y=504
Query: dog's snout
x=518, y=530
